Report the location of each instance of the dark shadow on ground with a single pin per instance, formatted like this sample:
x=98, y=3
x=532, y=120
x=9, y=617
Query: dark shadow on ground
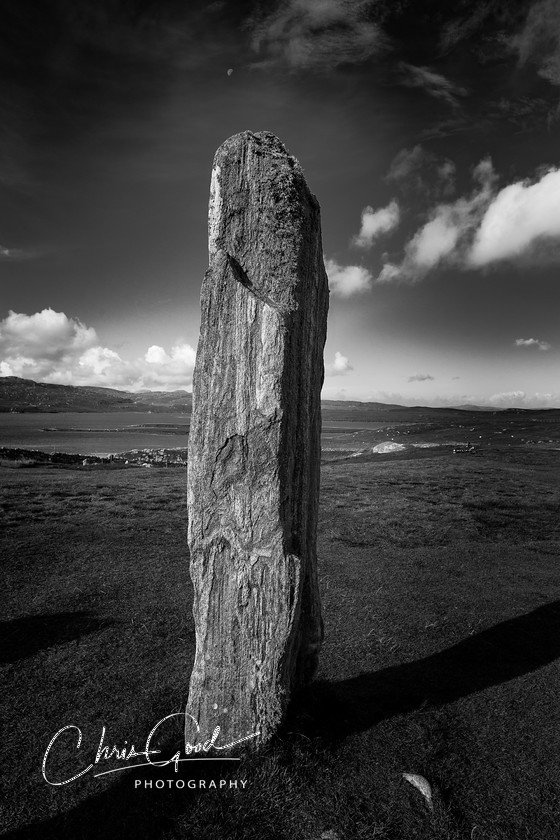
x=330, y=711
x=127, y=810
x=26, y=636
x=334, y=710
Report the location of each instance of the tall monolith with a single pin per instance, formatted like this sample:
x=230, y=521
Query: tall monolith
x=254, y=443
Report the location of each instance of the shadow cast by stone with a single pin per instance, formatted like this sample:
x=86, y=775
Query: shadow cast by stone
x=334, y=710
x=24, y=637
x=124, y=810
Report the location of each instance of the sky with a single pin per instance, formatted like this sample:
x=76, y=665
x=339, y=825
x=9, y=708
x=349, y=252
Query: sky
x=428, y=131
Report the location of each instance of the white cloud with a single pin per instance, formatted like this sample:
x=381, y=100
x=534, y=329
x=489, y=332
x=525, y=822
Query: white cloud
x=520, y=222
x=442, y=238
x=377, y=222
x=532, y=342
x=164, y=370
x=339, y=367
x=155, y=355
x=521, y=218
x=316, y=34
x=390, y=273
x=97, y=361
x=436, y=240
x=347, y=280
x=539, y=40
x=52, y=334
x=448, y=235
x=51, y=347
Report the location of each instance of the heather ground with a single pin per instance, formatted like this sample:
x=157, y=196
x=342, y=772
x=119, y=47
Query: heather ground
x=439, y=583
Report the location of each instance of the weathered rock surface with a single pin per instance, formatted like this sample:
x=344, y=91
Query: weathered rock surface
x=254, y=444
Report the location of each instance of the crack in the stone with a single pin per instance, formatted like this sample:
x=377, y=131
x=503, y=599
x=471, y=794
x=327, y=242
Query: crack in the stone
x=242, y=277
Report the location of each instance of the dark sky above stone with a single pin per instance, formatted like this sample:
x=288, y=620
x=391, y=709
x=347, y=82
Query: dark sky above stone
x=429, y=132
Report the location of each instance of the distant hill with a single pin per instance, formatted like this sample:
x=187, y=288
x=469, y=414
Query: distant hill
x=351, y=405
x=162, y=400
x=357, y=412
x=469, y=407
x=25, y=395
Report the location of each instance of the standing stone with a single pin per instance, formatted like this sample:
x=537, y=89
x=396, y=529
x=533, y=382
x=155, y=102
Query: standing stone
x=254, y=444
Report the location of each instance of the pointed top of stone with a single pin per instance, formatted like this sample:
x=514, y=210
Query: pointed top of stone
x=267, y=195
x=265, y=141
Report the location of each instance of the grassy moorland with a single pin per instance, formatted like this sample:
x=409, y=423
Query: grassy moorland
x=439, y=584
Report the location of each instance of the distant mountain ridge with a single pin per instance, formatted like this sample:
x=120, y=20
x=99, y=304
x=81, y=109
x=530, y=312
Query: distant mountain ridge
x=25, y=395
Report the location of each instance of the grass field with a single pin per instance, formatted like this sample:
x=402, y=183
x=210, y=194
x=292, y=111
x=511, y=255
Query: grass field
x=439, y=578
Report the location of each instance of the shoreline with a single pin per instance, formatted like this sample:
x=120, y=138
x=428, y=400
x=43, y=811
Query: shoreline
x=167, y=457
